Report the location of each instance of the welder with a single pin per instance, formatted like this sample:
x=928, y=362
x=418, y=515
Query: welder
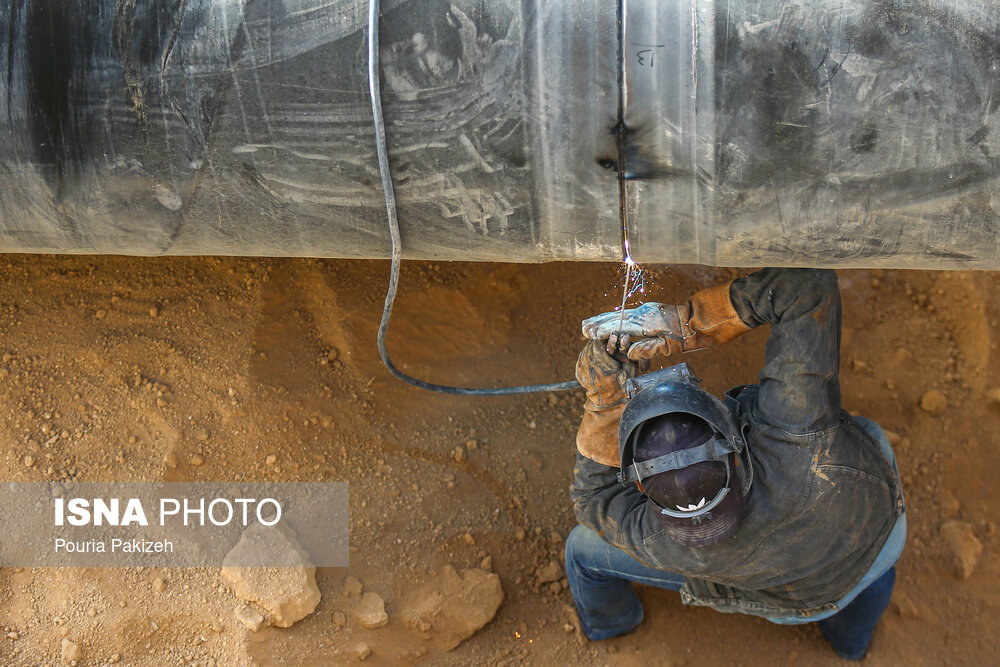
x=771, y=501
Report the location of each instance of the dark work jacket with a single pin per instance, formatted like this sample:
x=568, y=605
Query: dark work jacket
x=824, y=498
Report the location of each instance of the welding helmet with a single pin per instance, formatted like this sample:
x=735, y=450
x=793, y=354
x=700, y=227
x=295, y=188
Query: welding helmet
x=685, y=451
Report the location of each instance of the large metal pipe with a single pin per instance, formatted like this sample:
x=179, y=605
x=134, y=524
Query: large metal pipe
x=818, y=133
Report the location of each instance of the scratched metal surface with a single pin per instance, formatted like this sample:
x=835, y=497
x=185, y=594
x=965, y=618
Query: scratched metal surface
x=839, y=133
x=234, y=127
x=831, y=133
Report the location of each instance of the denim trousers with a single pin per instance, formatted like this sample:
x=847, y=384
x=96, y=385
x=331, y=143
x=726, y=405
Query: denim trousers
x=601, y=575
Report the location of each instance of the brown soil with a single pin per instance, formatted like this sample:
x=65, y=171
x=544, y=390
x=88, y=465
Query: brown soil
x=130, y=369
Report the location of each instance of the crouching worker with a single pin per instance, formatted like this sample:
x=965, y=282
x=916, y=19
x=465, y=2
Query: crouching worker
x=773, y=502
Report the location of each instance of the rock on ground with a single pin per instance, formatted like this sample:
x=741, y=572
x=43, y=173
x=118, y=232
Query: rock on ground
x=904, y=606
x=934, y=402
x=70, y=651
x=993, y=397
x=360, y=651
x=352, y=587
x=549, y=572
x=287, y=593
x=964, y=546
x=452, y=605
x=250, y=617
x=370, y=611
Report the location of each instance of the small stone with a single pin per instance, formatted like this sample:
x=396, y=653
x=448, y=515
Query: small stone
x=934, y=402
x=287, y=592
x=549, y=572
x=893, y=437
x=859, y=366
x=29, y=460
x=13, y=636
x=92, y=612
x=993, y=397
x=339, y=619
x=469, y=539
x=452, y=605
x=948, y=504
x=458, y=454
x=70, y=651
x=904, y=606
x=486, y=563
x=249, y=617
x=471, y=445
x=159, y=585
x=519, y=534
x=153, y=311
x=170, y=460
x=197, y=460
x=352, y=587
x=271, y=460
x=100, y=314
x=964, y=546
x=360, y=651
x=370, y=611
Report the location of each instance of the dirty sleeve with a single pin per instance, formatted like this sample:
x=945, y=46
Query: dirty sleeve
x=799, y=384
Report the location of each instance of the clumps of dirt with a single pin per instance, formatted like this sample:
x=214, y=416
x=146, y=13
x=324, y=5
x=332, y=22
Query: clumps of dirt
x=70, y=652
x=370, y=611
x=452, y=605
x=287, y=593
x=964, y=546
x=934, y=403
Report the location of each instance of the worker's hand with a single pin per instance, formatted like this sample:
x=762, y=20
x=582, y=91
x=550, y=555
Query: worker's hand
x=641, y=333
x=708, y=319
x=602, y=375
x=604, y=378
x=622, y=329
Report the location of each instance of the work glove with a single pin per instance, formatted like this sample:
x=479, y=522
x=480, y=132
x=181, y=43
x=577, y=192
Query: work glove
x=604, y=378
x=707, y=320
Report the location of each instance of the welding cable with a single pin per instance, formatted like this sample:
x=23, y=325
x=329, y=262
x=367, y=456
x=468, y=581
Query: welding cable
x=390, y=206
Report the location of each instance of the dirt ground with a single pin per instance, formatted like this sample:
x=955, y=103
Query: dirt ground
x=202, y=368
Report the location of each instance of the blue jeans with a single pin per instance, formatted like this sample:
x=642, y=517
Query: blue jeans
x=600, y=577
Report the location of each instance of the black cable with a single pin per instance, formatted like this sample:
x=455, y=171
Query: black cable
x=390, y=206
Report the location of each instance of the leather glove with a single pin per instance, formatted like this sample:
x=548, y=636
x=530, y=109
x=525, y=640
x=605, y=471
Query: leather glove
x=707, y=320
x=604, y=379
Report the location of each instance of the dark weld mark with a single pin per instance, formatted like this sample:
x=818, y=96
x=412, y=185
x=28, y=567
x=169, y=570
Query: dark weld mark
x=637, y=160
